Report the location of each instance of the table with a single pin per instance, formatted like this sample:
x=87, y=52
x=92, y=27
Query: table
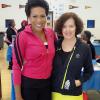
x=94, y=82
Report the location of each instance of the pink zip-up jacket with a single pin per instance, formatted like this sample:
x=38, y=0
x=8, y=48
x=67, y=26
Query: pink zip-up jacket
x=37, y=59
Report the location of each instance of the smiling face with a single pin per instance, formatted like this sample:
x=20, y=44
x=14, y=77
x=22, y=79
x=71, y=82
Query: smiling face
x=37, y=18
x=69, y=29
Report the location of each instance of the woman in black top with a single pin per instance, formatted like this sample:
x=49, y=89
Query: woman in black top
x=86, y=36
x=71, y=56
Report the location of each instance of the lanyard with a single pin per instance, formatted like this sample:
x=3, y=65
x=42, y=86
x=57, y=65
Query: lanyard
x=62, y=86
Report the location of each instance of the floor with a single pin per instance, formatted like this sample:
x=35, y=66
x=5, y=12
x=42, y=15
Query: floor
x=93, y=95
x=5, y=75
x=6, y=79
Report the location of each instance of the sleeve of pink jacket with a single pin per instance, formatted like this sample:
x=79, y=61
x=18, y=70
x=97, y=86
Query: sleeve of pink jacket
x=16, y=67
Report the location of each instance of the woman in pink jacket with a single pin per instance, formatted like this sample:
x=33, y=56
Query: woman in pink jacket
x=33, y=55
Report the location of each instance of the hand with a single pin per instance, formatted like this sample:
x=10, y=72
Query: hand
x=77, y=83
x=19, y=98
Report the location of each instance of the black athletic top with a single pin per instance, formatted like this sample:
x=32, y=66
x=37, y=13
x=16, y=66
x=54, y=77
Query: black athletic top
x=81, y=58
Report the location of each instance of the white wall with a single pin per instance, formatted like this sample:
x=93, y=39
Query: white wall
x=58, y=7
x=91, y=13
x=12, y=13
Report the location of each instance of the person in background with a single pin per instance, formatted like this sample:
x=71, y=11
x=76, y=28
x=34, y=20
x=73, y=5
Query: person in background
x=23, y=24
x=10, y=32
x=71, y=56
x=86, y=37
x=32, y=77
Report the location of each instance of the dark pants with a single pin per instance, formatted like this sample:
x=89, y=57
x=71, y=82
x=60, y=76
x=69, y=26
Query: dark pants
x=10, y=62
x=32, y=92
x=10, y=65
x=36, y=94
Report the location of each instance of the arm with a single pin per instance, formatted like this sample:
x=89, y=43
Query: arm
x=18, y=92
x=17, y=69
x=93, y=51
x=88, y=67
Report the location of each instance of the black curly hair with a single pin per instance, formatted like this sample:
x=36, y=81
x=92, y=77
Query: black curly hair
x=88, y=34
x=36, y=3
